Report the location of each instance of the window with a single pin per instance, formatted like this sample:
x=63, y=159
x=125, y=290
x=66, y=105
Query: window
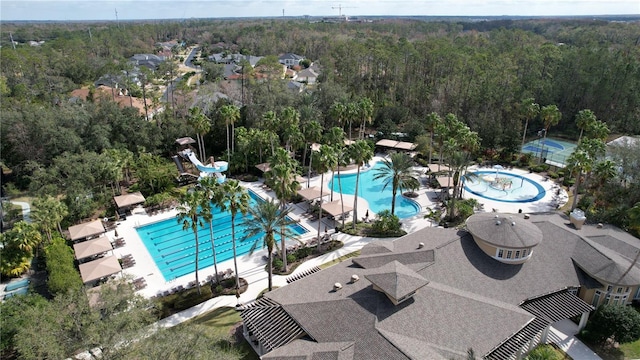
x=573, y=291
x=627, y=289
x=637, y=293
x=619, y=289
x=624, y=299
x=609, y=288
x=500, y=253
x=517, y=254
x=524, y=253
x=596, y=298
x=509, y=254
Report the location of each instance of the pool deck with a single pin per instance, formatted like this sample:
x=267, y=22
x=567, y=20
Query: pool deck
x=251, y=267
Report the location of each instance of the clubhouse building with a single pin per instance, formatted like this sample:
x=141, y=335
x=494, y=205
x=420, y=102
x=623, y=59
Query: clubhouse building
x=495, y=287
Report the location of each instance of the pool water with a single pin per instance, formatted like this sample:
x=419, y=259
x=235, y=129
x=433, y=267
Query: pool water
x=504, y=187
x=173, y=249
x=371, y=190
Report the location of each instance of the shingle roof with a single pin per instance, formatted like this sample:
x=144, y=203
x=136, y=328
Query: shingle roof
x=422, y=256
x=304, y=349
x=396, y=280
x=606, y=264
x=504, y=230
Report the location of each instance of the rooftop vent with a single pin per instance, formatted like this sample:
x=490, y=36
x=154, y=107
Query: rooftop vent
x=600, y=225
x=513, y=223
x=354, y=278
x=420, y=245
x=337, y=286
x=498, y=222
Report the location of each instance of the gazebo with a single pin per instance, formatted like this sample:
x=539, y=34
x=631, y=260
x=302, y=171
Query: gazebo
x=397, y=145
x=128, y=200
x=334, y=208
x=92, y=247
x=311, y=193
x=100, y=268
x=85, y=230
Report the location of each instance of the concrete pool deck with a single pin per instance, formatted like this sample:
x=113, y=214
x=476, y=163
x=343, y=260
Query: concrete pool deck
x=251, y=267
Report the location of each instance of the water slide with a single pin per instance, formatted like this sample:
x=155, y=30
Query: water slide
x=216, y=169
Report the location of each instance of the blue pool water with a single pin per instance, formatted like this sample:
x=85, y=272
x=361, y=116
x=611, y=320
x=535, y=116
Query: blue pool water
x=371, y=190
x=508, y=187
x=173, y=249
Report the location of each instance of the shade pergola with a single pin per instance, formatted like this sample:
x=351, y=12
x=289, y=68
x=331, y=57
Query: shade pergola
x=264, y=167
x=310, y=193
x=92, y=247
x=400, y=145
x=127, y=200
x=185, y=141
x=445, y=181
x=100, y=268
x=335, y=209
x=434, y=168
x=81, y=231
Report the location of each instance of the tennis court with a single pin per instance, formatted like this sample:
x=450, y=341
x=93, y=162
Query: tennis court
x=555, y=151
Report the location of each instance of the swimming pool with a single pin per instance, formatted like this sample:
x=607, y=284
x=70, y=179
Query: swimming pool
x=371, y=190
x=173, y=249
x=504, y=187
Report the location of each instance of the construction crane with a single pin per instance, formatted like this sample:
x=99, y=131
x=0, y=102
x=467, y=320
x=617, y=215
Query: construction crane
x=340, y=7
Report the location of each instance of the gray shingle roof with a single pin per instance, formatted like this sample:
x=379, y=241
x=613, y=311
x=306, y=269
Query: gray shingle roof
x=396, y=280
x=422, y=256
x=504, y=230
x=304, y=349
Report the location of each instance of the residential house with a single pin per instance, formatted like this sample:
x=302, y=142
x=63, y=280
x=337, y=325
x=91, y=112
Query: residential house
x=295, y=86
x=150, y=61
x=290, y=59
x=307, y=76
x=496, y=288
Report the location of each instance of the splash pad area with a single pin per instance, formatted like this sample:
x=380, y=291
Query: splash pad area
x=504, y=186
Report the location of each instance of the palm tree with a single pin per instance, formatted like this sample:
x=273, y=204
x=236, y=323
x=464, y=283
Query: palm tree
x=550, y=117
x=397, y=172
x=189, y=211
x=365, y=106
x=235, y=198
x=266, y=218
x=338, y=112
x=528, y=110
x=213, y=192
x=604, y=171
x=343, y=159
x=634, y=217
x=433, y=120
x=230, y=114
x=48, y=212
x=202, y=125
x=579, y=162
x=584, y=119
x=324, y=159
x=281, y=177
x=361, y=153
x=352, y=112
x=312, y=132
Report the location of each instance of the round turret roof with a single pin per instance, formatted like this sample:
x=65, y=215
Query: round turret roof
x=504, y=230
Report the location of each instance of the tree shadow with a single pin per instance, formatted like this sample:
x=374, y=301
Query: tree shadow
x=484, y=263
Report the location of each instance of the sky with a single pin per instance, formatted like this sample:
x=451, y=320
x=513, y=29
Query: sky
x=171, y=9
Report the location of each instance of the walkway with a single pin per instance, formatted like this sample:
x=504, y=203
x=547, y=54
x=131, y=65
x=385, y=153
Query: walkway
x=563, y=333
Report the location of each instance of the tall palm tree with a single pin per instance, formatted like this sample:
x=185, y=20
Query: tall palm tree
x=433, y=120
x=189, y=211
x=550, y=117
x=578, y=163
x=202, y=125
x=397, y=172
x=352, y=113
x=361, y=153
x=343, y=159
x=48, y=212
x=213, y=192
x=266, y=218
x=230, y=114
x=235, y=198
x=338, y=112
x=528, y=110
x=584, y=118
x=324, y=159
x=365, y=106
x=281, y=177
x=312, y=132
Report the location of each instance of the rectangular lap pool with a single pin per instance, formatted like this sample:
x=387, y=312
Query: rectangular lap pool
x=173, y=249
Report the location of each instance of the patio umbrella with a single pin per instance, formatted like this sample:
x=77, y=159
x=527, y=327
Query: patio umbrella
x=498, y=168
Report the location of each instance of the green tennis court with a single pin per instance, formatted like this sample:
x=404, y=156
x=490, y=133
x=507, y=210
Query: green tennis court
x=554, y=151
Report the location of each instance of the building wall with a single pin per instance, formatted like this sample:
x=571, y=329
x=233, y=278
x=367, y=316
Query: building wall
x=492, y=251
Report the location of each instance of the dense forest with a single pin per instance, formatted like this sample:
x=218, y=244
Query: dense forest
x=479, y=71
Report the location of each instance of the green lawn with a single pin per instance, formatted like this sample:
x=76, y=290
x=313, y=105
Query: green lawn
x=631, y=350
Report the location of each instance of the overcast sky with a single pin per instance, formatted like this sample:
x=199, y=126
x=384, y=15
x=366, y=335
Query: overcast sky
x=169, y=9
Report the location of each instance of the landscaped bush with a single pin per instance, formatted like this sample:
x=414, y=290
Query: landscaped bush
x=62, y=274
x=568, y=181
x=386, y=224
x=552, y=174
x=291, y=258
x=619, y=323
x=277, y=263
x=544, y=352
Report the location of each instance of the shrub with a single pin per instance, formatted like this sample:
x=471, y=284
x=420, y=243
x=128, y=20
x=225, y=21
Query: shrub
x=277, y=263
x=291, y=258
x=63, y=275
x=553, y=175
x=544, y=352
x=386, y=224
x=618, y=322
